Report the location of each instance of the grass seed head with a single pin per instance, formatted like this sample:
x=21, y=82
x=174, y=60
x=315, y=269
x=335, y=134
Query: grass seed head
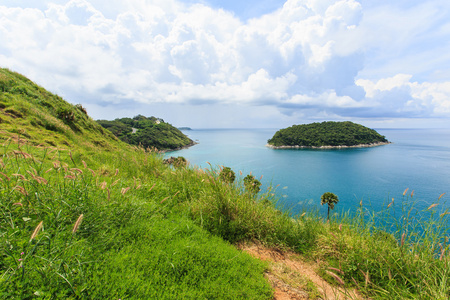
x=103, y=185
x=336, y=277
x=4, y=175
x=77, y=224
x=21, y=190
x=432, y=205
x=402, y=242
x=390, y=204
x=36, y=230
x=404, y=193
x=445, y=213
x=20, y=176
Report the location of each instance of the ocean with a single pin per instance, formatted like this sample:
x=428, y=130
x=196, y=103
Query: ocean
x=417, y=160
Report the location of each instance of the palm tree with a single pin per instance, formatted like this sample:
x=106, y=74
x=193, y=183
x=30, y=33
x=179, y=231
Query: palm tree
x=330, y=199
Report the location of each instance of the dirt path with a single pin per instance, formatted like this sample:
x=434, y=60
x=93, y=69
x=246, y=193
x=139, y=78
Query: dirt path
x=293, y=278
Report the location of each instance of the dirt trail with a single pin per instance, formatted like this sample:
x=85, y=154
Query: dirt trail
x=293, y=278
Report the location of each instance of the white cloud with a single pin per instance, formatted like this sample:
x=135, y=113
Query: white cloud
x=332, y=57
x=427, y=99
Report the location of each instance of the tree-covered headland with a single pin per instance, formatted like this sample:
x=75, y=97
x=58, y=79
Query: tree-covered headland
x=148, y=132
x=326, y=134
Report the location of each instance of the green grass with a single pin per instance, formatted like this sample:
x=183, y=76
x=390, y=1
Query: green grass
x=151, y=230
x=131, y=243
x=398, y=253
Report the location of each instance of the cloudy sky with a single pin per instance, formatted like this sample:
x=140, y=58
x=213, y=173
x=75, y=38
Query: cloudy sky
x=234, y=63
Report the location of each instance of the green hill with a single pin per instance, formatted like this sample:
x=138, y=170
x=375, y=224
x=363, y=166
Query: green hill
x=326, y=134
x=84, y=215
x=31, y=113
x=147, y=132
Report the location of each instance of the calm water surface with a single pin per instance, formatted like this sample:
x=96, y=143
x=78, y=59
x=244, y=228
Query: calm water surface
x=418, y=159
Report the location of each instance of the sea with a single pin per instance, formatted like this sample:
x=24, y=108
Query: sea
x=417, y=161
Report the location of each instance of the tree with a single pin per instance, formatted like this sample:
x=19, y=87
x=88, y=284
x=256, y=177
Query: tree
x=227, y=175
x=251, y=184
x=330, y=199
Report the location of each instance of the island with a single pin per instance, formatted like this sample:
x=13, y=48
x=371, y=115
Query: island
x=326, y=135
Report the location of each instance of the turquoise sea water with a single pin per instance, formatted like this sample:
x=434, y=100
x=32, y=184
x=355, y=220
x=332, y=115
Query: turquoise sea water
x=418, y=159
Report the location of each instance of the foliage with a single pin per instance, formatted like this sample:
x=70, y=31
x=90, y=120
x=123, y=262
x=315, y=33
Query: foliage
x=227, y=175
x=330, y=199
x=147, y=132
x=177, y=162
x=251, y=184
x=326, y=134
x=65, y=114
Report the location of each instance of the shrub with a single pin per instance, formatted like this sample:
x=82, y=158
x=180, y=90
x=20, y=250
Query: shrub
x=251, y=184
x=227, y=175
x=177, y=162
x=65, y=114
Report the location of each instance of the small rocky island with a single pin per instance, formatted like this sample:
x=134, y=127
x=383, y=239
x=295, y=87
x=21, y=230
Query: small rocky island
x=326, y=135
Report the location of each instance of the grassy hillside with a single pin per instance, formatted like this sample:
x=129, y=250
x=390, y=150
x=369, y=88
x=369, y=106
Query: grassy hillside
x=86, y=216
x=326, y=134
x=41, y=118
x=147, y=132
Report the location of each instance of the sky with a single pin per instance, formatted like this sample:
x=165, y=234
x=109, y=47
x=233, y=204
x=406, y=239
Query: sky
x=238, y=64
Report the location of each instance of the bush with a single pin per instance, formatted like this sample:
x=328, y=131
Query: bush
x=177, y=162
x=227, y=175
x=251, y=184
x=65, y=114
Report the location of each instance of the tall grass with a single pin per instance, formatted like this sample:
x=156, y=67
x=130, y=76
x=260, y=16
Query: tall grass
x=400, y=252
x=106, y=226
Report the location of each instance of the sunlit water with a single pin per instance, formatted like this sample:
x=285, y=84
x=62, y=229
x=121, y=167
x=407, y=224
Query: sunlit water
x=418, y=159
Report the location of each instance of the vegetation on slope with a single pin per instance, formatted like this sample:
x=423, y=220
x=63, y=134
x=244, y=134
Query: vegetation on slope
x=326, y=134
x=87, y=222
x=31, y=112
x=147, y=132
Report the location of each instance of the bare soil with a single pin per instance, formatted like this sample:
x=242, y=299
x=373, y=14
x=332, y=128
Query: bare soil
x=295, y=278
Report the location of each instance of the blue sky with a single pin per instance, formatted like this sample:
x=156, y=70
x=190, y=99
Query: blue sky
x=224, y=64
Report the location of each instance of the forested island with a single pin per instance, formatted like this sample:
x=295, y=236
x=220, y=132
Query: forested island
x=149, y=132
x=326, y=135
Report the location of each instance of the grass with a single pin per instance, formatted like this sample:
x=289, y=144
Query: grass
x=398, y=253
x=85, y=216
x=68, y=231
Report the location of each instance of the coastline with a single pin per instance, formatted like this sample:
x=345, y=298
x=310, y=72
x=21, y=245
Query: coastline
x=329, y=147
x=179, y=148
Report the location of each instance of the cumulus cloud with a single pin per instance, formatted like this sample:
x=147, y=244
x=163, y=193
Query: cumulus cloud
x=308, y=54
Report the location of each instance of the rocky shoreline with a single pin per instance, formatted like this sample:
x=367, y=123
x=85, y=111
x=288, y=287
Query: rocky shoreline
x=329, y=147
x=179, y=148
